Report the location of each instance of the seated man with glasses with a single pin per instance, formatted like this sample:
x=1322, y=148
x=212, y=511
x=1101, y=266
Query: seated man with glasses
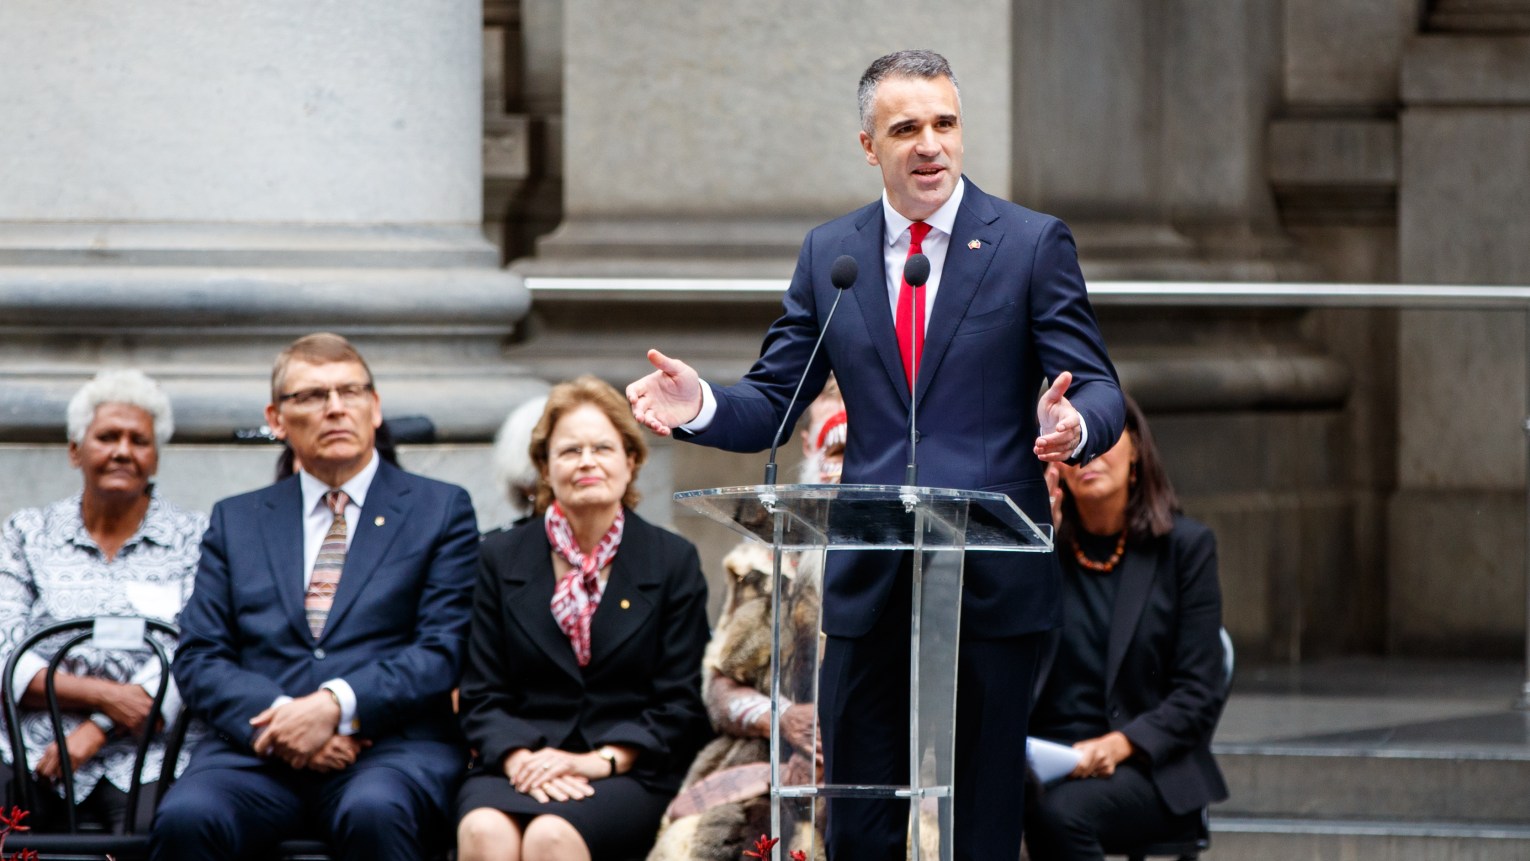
x=323, y=639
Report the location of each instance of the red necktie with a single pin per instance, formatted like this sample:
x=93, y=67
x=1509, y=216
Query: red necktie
x=910, y=319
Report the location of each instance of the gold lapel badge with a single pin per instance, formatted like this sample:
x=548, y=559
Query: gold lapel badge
x=975, y=245
x=379, y=520
x=626, y=604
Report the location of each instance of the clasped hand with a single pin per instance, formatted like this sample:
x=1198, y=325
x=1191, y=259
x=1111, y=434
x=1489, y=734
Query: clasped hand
x=1098, y=757
x=83, y=742
x=551, y=774
x=298, y=730
x=128, y=705
x=799, y=730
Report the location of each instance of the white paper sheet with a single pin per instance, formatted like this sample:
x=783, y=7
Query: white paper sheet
x=1051, y=761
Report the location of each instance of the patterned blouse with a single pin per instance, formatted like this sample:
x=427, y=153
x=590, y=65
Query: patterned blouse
x=51, y=571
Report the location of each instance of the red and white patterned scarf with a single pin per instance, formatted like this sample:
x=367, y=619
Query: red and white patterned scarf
x=578, y=593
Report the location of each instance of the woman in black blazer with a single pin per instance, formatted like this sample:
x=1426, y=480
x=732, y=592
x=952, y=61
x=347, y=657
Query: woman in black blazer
x=582, y=689
x=1134, y=679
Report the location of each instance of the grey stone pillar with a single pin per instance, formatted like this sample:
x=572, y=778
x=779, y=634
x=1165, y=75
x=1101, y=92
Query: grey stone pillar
x=185, y=188
x=1457, y=519
x=1143, y=124
x=704, y=137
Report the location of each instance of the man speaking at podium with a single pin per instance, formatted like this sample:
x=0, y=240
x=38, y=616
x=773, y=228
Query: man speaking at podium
x=1004, y=307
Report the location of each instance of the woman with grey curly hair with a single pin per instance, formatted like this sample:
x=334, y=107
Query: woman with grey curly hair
x=113, y=549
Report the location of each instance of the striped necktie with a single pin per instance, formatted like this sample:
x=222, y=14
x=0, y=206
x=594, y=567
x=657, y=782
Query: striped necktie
x=326, y=569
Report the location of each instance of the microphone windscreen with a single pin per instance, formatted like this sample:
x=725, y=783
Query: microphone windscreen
x=917, y=270
x=843, y=273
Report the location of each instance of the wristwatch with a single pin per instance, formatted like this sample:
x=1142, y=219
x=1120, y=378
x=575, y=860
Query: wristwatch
x=106, y=724
x=609, y=755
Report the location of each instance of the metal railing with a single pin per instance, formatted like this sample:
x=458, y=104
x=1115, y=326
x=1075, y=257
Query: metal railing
x=1207, y=294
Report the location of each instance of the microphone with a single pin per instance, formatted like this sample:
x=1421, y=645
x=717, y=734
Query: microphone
x=916, y=271
x=842, y=275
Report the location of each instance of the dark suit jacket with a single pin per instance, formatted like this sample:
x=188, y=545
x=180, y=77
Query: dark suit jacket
x=1165, y=681
x=522, y=686
x=395, y=633
x=1011, y=310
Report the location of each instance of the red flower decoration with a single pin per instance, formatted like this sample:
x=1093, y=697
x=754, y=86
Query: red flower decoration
x=762, y=847
x=799, y=855
x=11, y=821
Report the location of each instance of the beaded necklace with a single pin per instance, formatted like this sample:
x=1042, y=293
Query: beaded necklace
x=1108, y=565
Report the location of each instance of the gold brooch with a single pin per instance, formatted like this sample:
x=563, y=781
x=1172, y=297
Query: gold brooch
x=974, y=245
x=379, y=521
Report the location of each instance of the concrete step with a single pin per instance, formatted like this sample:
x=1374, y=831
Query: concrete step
x=1274, y=839
x=1462, y=786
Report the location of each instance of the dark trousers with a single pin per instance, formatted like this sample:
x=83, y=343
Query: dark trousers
x=863, y=708
x=1082, y=819
x=106, y=808
x=228, y=813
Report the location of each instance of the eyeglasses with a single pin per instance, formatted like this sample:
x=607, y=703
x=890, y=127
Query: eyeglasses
x=576, y=453
x=308, y=400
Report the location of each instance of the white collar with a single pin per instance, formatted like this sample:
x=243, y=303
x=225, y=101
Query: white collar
x=943, y=219
x=356, y=488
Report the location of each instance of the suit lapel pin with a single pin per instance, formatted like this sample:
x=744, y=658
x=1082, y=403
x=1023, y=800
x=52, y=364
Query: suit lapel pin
x=379, y=520
x=626, y=604
x=975, y=245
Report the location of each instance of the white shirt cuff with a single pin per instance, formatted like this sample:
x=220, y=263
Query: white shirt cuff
x=703, y=419
x=27, y=668
x=1083, y=439
x=149, y=681
x=349, y=725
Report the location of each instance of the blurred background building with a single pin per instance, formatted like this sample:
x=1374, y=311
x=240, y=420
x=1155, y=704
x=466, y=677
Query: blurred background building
x=488, y=197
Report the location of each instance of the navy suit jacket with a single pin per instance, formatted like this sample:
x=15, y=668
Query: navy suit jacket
x=1011, y=310
x=395, y=633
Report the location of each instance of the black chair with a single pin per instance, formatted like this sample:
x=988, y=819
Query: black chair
x=76, y=843
x=1197, y=839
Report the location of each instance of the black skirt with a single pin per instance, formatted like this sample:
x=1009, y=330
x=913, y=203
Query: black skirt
x=618, y=822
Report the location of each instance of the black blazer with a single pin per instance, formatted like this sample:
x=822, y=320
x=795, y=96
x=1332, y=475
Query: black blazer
x=522, y=686
x=1165, y=684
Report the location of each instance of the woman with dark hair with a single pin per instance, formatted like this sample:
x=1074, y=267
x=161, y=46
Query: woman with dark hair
x=1134, y=678
x=582, y=686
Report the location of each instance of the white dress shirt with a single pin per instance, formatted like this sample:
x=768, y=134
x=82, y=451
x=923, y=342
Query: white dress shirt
x=316, y=522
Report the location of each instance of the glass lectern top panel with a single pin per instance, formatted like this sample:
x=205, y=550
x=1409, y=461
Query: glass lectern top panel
x=869, y=516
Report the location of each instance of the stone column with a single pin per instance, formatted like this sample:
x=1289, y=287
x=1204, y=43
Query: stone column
x=1458, y=518
x=1142, y=125
x=186, y=187
x=705, y=137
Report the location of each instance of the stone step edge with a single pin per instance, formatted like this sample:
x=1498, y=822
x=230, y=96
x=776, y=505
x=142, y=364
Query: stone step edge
x=1365, y=828
x=1279, y=749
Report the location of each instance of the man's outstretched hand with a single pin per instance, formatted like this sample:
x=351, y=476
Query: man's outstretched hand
x=668, y=397
x=1062, y=428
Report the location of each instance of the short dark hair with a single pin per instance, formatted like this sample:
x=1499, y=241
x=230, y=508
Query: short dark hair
x=1150, y=501
x=902, y=64
x=320, y=348
x=569, y=396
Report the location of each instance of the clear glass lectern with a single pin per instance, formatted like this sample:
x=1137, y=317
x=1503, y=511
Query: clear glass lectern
x=802, y=522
